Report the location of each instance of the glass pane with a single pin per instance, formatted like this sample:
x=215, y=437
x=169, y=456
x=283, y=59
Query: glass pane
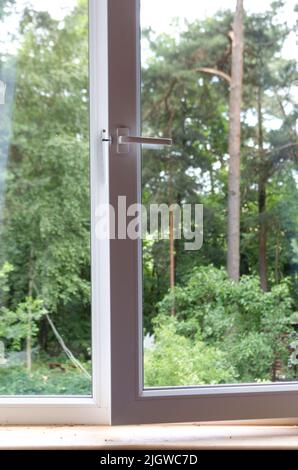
x=220, y=301
x=45, y=323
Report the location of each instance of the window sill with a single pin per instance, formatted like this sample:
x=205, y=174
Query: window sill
x=183, y=436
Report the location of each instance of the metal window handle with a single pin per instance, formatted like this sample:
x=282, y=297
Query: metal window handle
x=124, y=140
x=143, y=140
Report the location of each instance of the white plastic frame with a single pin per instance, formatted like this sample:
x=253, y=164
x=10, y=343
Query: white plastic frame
x=95, y=409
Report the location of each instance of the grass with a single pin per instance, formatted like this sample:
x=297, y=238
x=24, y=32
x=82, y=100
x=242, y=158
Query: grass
x=44, y=380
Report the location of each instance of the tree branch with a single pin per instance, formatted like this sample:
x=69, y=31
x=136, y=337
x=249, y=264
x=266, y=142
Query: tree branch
x=216, y=72
x=164, y=99
x=280, y=149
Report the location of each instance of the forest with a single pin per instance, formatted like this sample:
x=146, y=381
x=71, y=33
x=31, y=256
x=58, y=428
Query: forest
x=223, y=88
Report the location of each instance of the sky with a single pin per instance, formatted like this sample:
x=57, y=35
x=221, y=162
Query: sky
x=57, y=8
x=158, y=13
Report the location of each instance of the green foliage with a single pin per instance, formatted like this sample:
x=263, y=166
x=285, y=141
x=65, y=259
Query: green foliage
x=49, y=164
x=180, y=360
x=43, y=381
x=193, y=106
x=4, y=282
x=15, y=325
x=45, y=232
x=252, y=326
x=295, y=250
x=222, y=332
x=45, y=218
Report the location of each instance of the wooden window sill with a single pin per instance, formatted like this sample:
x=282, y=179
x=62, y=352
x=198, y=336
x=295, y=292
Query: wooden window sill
x=154, y=437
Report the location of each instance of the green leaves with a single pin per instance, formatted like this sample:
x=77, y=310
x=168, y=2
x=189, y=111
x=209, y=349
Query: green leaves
x=175, y=359
x=15, y=325
x=247, y=327
x=45, y=226
x=47, y=206
x=43, y=381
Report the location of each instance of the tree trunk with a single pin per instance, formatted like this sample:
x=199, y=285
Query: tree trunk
x=43, y=334
x=276, y=258
x=29, y=342
x=233, y=258
x=171, y=216
x=262, y=199
x=29, y=323
x=172, y=262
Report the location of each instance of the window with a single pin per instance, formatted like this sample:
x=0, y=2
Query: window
x=47, y=222
x=215, y=349
x=148, y=308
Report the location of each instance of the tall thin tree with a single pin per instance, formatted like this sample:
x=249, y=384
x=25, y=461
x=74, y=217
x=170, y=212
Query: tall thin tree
x=237, y=38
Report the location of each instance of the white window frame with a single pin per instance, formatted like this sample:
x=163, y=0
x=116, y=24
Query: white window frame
x=117, y=352
x=96, y=409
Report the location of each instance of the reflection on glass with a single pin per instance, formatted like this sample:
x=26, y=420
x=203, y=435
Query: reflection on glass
x=204, y=324
x=44, y=199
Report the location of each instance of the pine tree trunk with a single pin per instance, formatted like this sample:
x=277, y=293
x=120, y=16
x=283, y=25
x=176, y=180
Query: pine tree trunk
x=262, y=200
x=233, y=258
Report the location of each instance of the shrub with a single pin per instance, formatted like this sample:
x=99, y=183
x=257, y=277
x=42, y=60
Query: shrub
x=177, y=360
x=215, y=314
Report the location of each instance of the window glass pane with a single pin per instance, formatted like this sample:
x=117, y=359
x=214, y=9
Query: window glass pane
x=45, y=323
x=220, y=303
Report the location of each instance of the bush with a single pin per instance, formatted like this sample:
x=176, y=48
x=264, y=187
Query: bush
x=215, y=314
x=179, y=360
